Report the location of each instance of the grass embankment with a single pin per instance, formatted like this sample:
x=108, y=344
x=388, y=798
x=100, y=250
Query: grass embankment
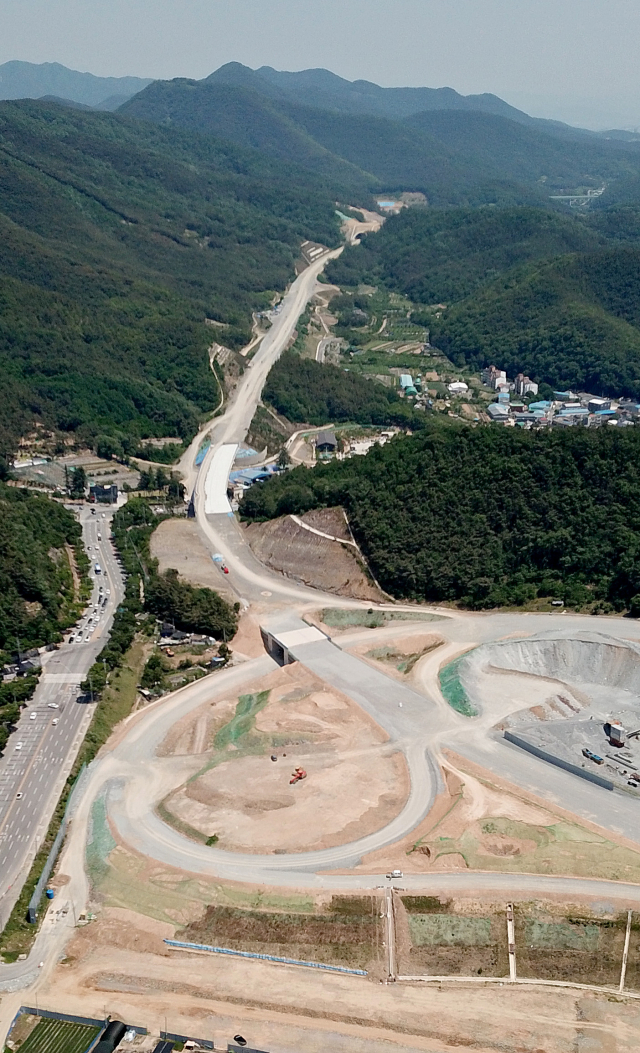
x=404, y=663
x=452, y=689
x=346, y=932
x=339, y=618
x=116, y=703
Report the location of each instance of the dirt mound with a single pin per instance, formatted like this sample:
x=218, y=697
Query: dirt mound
x=289, y=548
x=355, y=783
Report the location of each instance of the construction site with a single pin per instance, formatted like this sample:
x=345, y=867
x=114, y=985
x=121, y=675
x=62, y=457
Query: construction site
x=328, y=853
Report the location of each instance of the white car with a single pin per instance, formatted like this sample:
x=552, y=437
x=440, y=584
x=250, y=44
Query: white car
x=54, y=721
x=33, y=716
x=18, y=745
x=52, y=705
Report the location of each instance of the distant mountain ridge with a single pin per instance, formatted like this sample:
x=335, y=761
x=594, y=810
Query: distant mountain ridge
x=325, y=90
x=29, y=80
x=455, y=150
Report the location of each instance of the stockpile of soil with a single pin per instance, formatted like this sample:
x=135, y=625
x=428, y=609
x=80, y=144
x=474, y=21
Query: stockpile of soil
x=287, y=547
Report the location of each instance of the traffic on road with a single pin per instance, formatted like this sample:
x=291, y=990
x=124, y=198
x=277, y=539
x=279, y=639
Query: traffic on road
x=41, y=750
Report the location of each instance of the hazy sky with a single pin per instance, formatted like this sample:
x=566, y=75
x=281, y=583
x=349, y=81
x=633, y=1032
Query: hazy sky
x=577, y=59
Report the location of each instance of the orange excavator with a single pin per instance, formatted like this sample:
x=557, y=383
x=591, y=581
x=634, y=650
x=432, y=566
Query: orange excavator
x=297, y=775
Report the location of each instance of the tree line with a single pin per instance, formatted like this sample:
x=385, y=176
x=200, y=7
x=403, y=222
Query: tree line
x=486, y=517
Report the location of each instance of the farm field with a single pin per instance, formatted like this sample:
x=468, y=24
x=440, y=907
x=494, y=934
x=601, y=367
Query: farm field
x=59, y=1036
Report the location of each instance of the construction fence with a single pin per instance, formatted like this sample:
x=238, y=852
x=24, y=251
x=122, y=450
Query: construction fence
x=264, y=957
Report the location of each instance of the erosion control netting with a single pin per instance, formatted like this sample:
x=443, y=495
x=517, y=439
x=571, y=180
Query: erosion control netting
x=453, y=689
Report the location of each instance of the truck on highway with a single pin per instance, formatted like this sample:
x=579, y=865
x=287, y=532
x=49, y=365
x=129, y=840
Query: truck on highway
x=98, y=568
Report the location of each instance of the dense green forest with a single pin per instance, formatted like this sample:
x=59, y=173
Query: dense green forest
x=573, y=322
x=456, y=156
x=36, y=586
x=306, y=392
x=117, y=240
x=486, y=516
x=554, y=296
x=443, y=256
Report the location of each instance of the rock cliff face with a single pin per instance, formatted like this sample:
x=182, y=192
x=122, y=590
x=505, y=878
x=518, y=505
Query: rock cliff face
x=592, y=662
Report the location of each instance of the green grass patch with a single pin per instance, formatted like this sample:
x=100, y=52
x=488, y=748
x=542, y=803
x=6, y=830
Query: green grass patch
x=452, y=689
x=449, y=930
x=117, y=701
x=340, y=618
x=562, y=936
x=100, y=843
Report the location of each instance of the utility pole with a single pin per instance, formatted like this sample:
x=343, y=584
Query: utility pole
x=625, y=954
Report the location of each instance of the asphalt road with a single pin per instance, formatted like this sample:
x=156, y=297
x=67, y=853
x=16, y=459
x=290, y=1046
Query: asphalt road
x=133, y=781
x=32, y=776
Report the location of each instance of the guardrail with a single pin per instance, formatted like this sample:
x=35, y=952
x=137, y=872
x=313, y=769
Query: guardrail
x=264, y=957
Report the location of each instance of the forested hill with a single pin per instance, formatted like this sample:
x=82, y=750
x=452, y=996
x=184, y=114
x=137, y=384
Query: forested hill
x=455, y=157
x=117, y=240
x=443, y=256
x=573, y=322
x=555, y=296
x=306, y=392
x=36, y=585
x=486, y=516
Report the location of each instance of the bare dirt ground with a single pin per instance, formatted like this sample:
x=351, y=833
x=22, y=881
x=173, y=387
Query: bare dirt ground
x=484, y=823
x=176, y=543
x=356, y=782
x=281, y=1007
x=398, y=655
x=288, y=548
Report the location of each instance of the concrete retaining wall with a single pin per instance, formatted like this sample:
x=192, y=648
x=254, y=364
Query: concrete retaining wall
x=559, y=762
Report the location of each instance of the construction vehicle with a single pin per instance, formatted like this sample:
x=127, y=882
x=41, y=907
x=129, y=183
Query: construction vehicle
x=592, y=756
x=297, y=776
